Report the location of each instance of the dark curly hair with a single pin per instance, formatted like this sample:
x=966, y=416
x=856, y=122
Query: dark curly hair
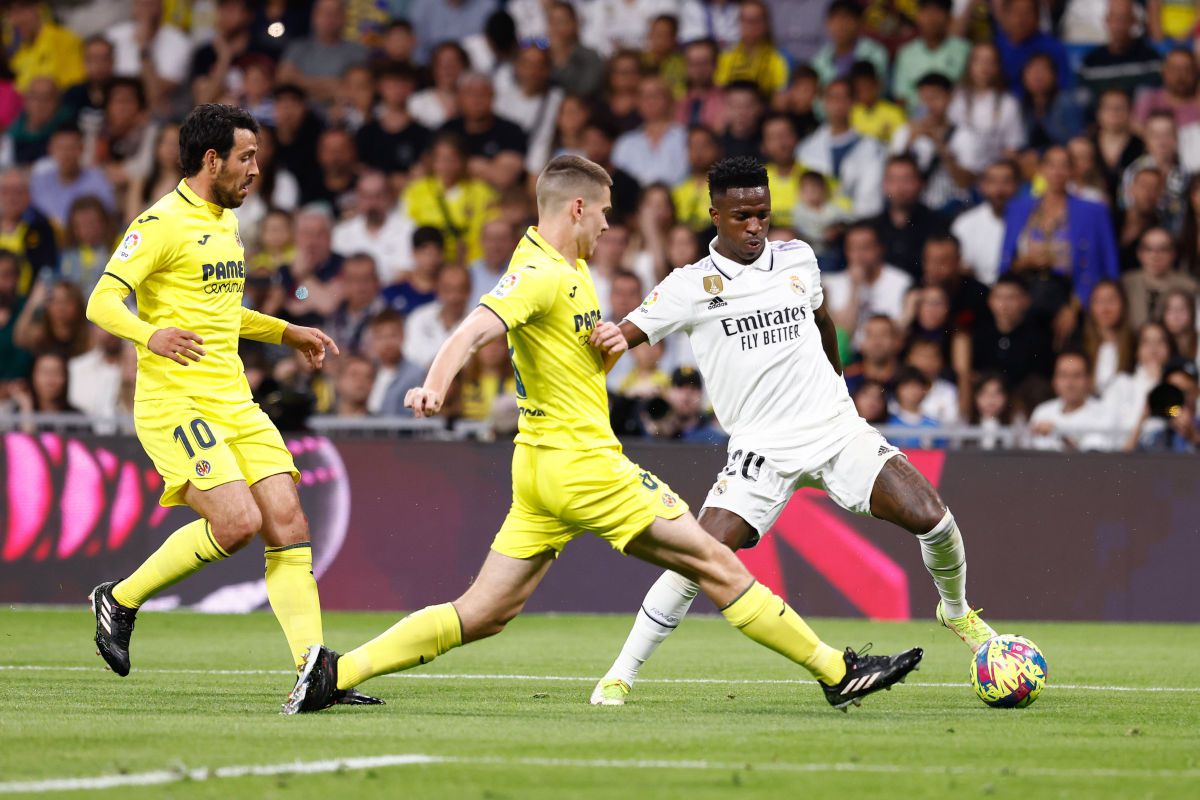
x=210, y=127
x=738, y=172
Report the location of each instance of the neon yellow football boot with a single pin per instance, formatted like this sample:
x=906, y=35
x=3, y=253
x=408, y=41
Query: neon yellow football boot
x=971, y=628
x=610, y=692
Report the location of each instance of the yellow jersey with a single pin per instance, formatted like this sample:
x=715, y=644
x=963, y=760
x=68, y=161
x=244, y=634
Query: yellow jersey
x=55, y=52
x=459, y=212
x=550, y=309
x=183, y=259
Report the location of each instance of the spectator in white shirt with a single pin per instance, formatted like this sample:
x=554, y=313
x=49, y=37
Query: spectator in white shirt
x=159, y=55
x=378, y=227
x=497, y=239
x=94, y=383
x=1074, y=420
x=981, y=230
x=656, y=152
x=941, y=402
x=394, y=375
x=532, y=103
x=610, y=25
x=867, y=286
x=984, y=106
x=432, y=323
x=1127, y=392
x=836, y=149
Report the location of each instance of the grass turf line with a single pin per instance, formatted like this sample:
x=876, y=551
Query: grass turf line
x=1094, y=744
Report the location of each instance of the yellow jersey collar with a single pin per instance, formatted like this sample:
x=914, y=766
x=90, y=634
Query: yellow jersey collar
x=535, y=238
x=193, y=199
x=731, y=269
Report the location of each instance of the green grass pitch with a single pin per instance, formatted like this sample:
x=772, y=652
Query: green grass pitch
x=714, y=716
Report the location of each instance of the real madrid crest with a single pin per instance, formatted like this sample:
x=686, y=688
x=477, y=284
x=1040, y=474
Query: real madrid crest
x=798, y=285
x=713, y=284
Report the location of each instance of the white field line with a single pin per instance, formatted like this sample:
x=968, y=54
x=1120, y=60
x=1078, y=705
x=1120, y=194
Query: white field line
x=158, y=777
x=579, y=679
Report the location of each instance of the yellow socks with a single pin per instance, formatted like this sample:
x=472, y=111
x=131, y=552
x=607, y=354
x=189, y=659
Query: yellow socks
x=766, y=619
x=292, y=590
x=185, y=551
x=417, y=639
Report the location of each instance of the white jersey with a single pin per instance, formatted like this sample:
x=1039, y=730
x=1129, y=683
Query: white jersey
x=753, y=334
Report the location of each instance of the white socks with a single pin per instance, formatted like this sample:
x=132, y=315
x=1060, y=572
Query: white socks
x=664, y=607
x=946, y=559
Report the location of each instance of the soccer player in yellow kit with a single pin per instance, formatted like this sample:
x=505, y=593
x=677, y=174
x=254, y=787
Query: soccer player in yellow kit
x=569, y=474
x=216, y=450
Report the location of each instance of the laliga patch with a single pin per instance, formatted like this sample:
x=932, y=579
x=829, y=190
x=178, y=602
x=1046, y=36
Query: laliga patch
x=506, y=285
x=130, y=243
x=798, y=285
x=203, y=468
x=650, y=300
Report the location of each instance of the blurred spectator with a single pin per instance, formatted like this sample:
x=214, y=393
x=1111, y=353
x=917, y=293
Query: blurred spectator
x=498, y=240
x=577, y=69
x=1140, y=215
x=879, y=355
x=310, y=279
x=434, y=105
x=533, y=104
x=49, y=387
x=275, y=187
x=493, y=51
x=296, y=133
x=217, y=67
x=799, y=100
x=394, y=376
x=1126, y=62
x=1127, y=393
x=449, y=200
x=1073, y=420
x=495, y=147
x=709, y=19
x=1009, y=341
x=257, y=87
x=1189, y=240
x=430, y=325
x=983, y=105
x=486, y=378
x=754, y=57
x=146, y=48
x=14, y=361
x=990, y=409
x=86, y=99
x=657, y=151
x=868, y=286
x=1179, y=318
x=87, y=242
x=816, y=217
x=164, y=174
x=645, y=379
x=1170, y=20
x=436, y=21
x=905, y=222
x=392, y=141
x=356, y=377
x=598, y=141
x=1179, y=96
x=125, y=143
x=1018, y=39
x=625, y=295
x=40, y=47
x=847, y=44
x=691, y=195
x=276, y=246
x=1147, y=286
x=941, y=261
x=359, y=281
x=927, y=309
x=1051, y=114
x=662, y=54
x=1058, y=242
x=1162, y=153
x=1086, y=178
x=622, y=89
x=418, y=287
x=934, y=50
x=939, y=147
x=871, y=402
x=836, y=150
x=1106, y=336
x=648, y=245
x=1116, y=144
x=336, y=171
x=28, y=139
x=703, y=103
x=912, y=389
x=55, y=187
x=376, y=227
x=680, y=413
x=24, y=230
x=355, y=102
x=1176, y=432
x=613, y=24
x=871, y=115
x=316, y=63
x=52, y=320
x=941, y=399
x=95, y=376
x=744, y=113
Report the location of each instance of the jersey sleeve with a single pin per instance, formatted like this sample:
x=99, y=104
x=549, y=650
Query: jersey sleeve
x=140, y=253
x=260, y=327
x=812, y=276
x=522, y=294
x=665, y=310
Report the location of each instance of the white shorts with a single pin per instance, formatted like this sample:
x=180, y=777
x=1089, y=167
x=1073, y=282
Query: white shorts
x=757, y=485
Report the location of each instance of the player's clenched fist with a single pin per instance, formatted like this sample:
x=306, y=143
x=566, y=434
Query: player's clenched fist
x=312, y=342
x=175, y=344
x=423, y=402
x=607, y=337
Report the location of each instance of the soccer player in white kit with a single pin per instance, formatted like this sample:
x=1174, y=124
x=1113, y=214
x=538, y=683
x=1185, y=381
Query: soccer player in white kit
x=767, y=349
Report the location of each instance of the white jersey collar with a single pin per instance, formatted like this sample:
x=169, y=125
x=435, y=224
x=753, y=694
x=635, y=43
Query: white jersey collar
x=731, y=269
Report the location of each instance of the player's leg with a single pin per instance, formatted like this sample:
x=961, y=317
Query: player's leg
x=663, y=609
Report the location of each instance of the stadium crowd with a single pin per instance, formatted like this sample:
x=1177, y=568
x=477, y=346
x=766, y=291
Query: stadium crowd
x=1004, y=195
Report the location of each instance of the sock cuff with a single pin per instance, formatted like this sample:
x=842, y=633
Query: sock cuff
x=940, y=531
x=749, y=606
x=289, y=547
x=299, y=555
x=685, y=587
x=450, y=627
x=212, y=540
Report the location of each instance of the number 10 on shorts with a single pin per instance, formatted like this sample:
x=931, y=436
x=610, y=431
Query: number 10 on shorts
x=201, y=433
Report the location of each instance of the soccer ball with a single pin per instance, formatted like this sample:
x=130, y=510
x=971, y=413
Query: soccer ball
x=1008, y=672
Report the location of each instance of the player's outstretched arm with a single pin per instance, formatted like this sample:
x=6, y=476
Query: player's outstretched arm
x=106, y=308
x=312, y=342
x=480, y=327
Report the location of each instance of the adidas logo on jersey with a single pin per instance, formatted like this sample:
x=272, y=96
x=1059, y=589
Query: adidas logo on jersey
x=883, y=448
x=716, y=302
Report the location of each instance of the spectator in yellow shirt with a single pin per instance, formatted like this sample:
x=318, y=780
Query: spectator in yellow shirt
x=755, y=57
x=452, y=202
x=41, y=47
x=662, y=53
x=870, y=115
x=691, y=197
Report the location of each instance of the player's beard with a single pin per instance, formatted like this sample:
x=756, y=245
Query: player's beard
x=226, y=191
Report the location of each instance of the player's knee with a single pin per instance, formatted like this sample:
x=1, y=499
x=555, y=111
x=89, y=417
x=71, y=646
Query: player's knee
x=234, y=530
x=287, y=524
x=927, y=513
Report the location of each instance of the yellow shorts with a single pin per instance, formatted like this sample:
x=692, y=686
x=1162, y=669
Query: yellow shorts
x=208, y=442
x=559, y=494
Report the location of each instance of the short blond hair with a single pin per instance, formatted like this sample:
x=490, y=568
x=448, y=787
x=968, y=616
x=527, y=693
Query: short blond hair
x=567, y=177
